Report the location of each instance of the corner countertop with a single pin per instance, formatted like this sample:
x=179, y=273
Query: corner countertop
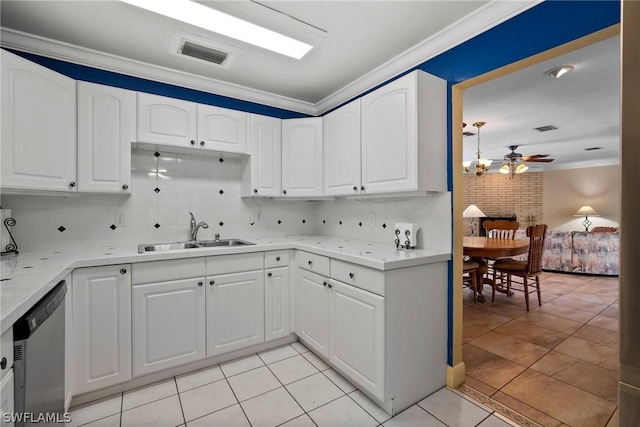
x=29, y=276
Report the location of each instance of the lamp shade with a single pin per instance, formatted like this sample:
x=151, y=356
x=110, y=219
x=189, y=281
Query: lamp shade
x=472, y=211
x=586, y=211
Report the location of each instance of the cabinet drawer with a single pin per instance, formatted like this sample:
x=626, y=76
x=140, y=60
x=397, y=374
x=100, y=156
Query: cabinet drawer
x=6, y=345
x=312, y=262
x=361, y=277
x=275, y=259
x=162, y=271
x=224, y=264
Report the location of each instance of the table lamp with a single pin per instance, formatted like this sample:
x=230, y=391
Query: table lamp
x=586, y=212
x=473, y=212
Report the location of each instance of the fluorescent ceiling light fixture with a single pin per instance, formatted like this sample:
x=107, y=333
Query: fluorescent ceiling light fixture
x=218, y=22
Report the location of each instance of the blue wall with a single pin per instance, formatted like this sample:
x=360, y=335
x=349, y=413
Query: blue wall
x=545, y=26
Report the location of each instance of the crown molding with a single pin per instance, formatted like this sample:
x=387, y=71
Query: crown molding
x=92, y=58
x=486, y=17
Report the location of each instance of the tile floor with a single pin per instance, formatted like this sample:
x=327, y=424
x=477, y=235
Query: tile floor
x=288, y=386
x=557, y=364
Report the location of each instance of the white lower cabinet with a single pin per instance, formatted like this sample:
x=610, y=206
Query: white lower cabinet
x=356, y=335
x=276, y=303
x=235, y=311
x=69, y=354
x=168, y=324
x=313, y=309
x=101, y=327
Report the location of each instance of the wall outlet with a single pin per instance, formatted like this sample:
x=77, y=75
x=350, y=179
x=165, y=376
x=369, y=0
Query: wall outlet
x=372, y=219
x=120, y=219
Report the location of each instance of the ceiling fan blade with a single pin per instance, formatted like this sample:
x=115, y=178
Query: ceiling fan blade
x=535, y=156
x=540, y=160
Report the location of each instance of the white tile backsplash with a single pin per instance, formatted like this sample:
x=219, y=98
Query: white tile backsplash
x=211, y=190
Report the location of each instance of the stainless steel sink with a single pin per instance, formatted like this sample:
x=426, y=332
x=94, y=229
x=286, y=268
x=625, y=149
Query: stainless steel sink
x=192, y=245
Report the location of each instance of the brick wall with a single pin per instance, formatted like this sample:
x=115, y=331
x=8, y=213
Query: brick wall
x=496, y=195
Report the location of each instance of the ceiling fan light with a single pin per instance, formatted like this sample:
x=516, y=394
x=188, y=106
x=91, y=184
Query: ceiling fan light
x=466, y=164
x=522, y=168
x=559, y=71
x=505, y=169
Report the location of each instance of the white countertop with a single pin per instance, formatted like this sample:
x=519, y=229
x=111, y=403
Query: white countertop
x=29, y=276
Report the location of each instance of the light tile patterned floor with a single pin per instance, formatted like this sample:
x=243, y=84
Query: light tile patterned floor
x=558, y=363
x=287, y=386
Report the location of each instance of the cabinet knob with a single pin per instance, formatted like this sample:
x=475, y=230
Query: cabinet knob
x=324, y=283
x=123, y=271
x=202, y=143
x=255, y=191
x=125, y=187
x=362, y=187
x=193, y=142
x=330, y=285
x=200, y=283
x=212, y=282
x=269, y=274
x=310, y=262
x=351, y=275
x=3, y=363
x=284, y=191
x=72, y=184
x=355, y=188
x=277, y=258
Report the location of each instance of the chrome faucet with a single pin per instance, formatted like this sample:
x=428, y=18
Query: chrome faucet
x=195, y=227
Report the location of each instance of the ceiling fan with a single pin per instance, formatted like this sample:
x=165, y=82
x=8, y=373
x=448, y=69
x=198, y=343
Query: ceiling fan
x=514, y=162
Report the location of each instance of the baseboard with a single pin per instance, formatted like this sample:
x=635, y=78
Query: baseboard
x=455, y=375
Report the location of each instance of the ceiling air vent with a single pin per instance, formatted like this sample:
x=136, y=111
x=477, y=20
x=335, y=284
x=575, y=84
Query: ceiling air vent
x=210, y=55
x=593, y=148
x=467, y=133
x=546, y=128
x=198, y=48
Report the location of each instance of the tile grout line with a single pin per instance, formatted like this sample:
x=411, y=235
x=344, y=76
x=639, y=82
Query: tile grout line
x=236, y=397
x=175, y=382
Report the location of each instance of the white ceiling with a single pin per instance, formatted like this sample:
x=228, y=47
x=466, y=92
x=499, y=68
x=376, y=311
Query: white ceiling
x=584, y=106
x=360, y=50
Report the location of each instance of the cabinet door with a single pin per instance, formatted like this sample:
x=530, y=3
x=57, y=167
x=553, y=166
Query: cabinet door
x=389, y=137
x=106, y=124
x=342, y=150
x=357, y=336
x=102, y=326
x=276, y=303
x=222, y=129
x=302, y=157
x=235, y=311
x=313, y=309
x=266, y=157
x=167, y=121
x=38, y=126
x=168, y=324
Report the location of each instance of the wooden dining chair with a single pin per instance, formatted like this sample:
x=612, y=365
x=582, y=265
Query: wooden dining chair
x=501, y=229
x=531, y=268
x=469, y=277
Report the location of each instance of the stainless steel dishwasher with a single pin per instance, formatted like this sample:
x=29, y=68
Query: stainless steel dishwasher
x=38, y=351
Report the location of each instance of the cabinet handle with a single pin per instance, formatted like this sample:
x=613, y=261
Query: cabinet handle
x=284, y=191
x=310, y=262
x=202, y=143
x=362, y=187
x=200, y=283
x=193, y=142
x=212, y=282
x=72, y=184
x=355, y=188
x=269, y=274
x=125, y=187
x=351, y=275
x=324, y=283
x=255, y=191
x=277, y=258
x=3, y=363
x=330, y=286
x=123, y=271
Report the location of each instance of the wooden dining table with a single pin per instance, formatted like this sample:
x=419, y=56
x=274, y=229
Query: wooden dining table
x=480, y=248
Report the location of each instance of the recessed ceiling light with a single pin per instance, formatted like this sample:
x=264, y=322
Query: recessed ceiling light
x=559, y=71
x=218, y=22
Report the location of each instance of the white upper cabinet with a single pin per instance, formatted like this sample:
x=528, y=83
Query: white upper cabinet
x=404, y=138
x=302, y=157
x=106, y=128
x=166, y=120
x=342, y=150
x=222, y=129
x=262, y=175
x=38, y=127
